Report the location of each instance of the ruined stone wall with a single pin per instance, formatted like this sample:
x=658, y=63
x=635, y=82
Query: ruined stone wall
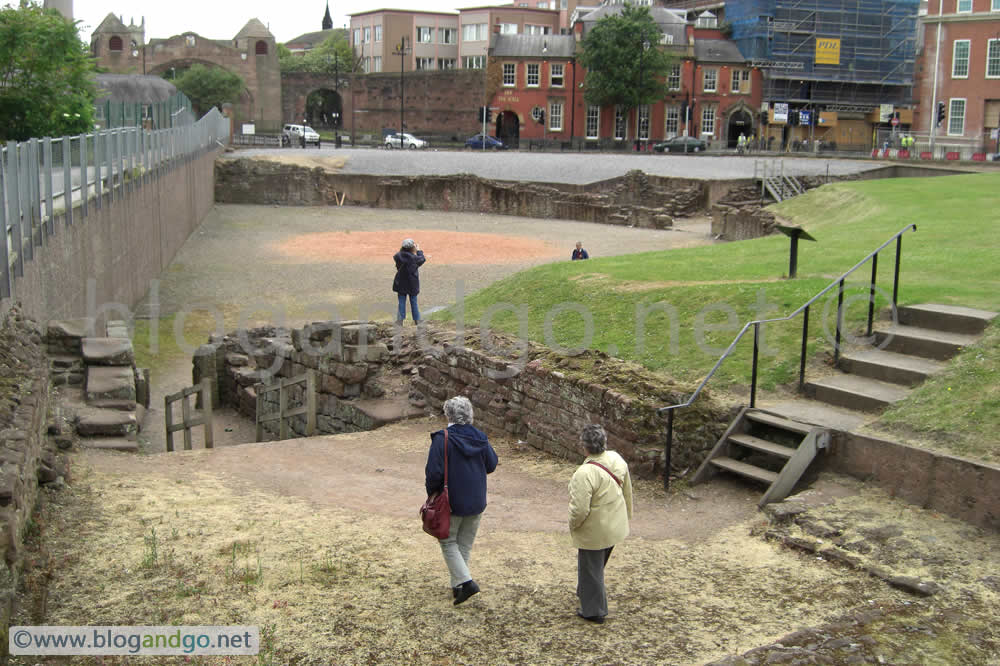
x=635, y=199
x=26, y=458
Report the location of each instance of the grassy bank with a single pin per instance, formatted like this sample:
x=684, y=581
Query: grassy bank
x=676, y=311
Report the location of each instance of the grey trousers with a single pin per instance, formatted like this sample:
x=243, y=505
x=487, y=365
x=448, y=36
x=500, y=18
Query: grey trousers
x=458, y=547
x=590, y=581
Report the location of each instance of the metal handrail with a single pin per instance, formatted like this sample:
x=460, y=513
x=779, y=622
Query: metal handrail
x=804, y=308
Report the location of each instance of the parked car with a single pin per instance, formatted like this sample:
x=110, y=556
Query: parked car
x=681, y=144
x=292, y=134
x=476, y=142
x=409, y=141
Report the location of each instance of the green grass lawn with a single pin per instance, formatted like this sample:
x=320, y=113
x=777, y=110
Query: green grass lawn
x=675, y=311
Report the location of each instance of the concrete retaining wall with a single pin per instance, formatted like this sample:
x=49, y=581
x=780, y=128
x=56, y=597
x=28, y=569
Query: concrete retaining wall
x=960, y=488
x=110, y=256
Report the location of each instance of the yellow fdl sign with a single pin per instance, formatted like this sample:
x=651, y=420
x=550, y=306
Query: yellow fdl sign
x=827, y=51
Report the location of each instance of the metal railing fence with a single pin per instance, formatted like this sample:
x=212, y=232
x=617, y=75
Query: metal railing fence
x=72, y=176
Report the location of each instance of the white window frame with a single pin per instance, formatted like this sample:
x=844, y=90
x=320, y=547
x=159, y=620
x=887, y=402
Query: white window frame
x=666, y=38
x=508, y=29
x=993, y=45
x=424, y=64
x=446, y=63
x=445, y=33
x=509, y=75
x=621, y=123
x=955, y=74
x=368, y=35
x=425, y=34
x=376, y=63
x=671, y=121
x=554, y=77
x=593, y=125
x=952, y=115
x=715, y=80
x=473, y=62
x=533, y=72
x=643, y=113
x=357, y=36
x=378, y=33
x=708, y=120
x=960, y=10
x=555, y=116
x=674, y=77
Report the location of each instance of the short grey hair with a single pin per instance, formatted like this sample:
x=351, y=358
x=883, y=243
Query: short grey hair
x=458, y=410
x=594, y=439
x=408, y=244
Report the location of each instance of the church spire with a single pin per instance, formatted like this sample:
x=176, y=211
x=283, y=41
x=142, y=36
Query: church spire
x=327, y=21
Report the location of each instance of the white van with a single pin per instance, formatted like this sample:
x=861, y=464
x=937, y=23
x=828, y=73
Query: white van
x=292, y=134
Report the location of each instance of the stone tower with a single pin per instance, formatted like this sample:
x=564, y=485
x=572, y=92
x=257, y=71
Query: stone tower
x=327, y=21
x=64, y=7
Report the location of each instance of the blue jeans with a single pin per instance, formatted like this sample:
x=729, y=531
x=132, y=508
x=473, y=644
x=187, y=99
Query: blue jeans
x=414, y=310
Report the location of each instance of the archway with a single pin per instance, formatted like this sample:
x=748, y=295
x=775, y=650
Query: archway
x=509, y=129
x=740, y=122
x=325, y=109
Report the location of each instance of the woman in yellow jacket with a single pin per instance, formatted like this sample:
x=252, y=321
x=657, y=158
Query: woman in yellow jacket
x=600, y=507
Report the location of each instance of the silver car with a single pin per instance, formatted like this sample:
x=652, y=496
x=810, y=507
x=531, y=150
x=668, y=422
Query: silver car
x=408, y=141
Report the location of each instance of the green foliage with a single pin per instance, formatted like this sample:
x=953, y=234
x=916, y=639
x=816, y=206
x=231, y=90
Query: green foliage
x=334, y=51
x=619, y=69
x=209, y=86
x=46, y=75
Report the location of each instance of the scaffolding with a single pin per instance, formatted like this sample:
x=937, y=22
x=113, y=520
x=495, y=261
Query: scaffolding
x=876, y=39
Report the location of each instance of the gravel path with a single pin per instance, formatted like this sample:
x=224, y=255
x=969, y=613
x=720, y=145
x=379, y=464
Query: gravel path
x=574, y=168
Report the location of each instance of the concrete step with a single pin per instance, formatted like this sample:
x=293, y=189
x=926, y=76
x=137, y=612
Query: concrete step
x=743, y=469
x=106, y=423
x=926, y=342
x=762, y=445
x=861, y=393
x=889, y=366
x=818, y=413
x=110, y=382
x=111, y=444
x=107, y=351
x=950, y=318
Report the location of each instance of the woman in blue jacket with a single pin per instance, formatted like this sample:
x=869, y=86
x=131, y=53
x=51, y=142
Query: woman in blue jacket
x=470, y=459
x=408, y=260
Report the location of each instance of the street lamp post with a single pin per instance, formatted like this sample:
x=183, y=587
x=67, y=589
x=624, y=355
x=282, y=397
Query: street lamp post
x=336, y=90
x=638, y=109
x=401, y=51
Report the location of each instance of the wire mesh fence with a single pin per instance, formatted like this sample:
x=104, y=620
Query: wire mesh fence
x=173, y=112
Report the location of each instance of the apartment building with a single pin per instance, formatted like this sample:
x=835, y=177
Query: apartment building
x=430, y=40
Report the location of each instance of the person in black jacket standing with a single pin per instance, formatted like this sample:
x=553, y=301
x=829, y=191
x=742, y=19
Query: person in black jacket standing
x=470, y=459
x=408, y=260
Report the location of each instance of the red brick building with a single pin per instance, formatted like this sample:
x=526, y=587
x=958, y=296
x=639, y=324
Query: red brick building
x=537, y=89
x=959, y=66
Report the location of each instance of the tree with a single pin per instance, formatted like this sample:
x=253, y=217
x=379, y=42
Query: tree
x=209, y=86
x=620, y=69
x=320, y=60
x=46, y=75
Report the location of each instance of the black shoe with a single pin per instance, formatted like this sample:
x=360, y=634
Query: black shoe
x=596, y=619
x=468, y=588
x=455, y=591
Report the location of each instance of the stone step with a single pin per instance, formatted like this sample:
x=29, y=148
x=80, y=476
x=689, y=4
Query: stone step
x=950, y=318
x=926, y=342
x=778, y=422
x=818, y=413
x=763, y=446
x=118, y=405
x=743, y=469
x=383, y=412
x=110, y=382
x=106, y=423
x=889, y=366
x=861, y=393
x=107, y=351
x=111, y=444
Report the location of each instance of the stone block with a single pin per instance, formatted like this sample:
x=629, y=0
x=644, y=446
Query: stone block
x=354, y=373
x=74, y=329
x=107, y=351
x=116, y=328
x=330, y=384
x=106, y=423
x=375, y=353
x=356, y=334
x=110, y=383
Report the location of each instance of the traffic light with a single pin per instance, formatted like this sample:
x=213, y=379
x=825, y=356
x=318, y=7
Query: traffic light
x=941, y=114
x=482, y=114
x=489, y=114
x=541, y=116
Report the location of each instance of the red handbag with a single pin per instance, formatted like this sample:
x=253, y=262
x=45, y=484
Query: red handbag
x=436, y=511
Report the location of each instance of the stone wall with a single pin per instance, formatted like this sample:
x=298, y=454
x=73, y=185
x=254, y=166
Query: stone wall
x=27, y=460
x=635, y=199
x=368, y=375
